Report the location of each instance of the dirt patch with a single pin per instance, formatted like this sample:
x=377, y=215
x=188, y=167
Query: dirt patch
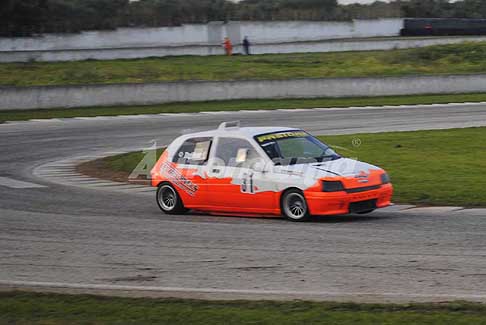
x=101, y=169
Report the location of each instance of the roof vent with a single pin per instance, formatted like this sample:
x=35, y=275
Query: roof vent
x=229, y=125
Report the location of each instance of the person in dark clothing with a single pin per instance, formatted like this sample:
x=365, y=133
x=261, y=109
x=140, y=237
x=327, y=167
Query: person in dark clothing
x=246, y=45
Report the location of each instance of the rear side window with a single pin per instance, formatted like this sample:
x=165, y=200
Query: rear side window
x=193, y=151
x=236, y=152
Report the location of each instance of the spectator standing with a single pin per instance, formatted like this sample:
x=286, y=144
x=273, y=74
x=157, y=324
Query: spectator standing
x=228, y=47
x=246, y=45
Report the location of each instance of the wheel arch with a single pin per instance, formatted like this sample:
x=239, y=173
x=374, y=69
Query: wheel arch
x=282, y=193
x=179, y=207
x=166, y=182
x=305, y=216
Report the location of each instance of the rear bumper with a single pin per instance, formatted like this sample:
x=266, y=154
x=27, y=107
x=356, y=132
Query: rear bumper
x=321, y=203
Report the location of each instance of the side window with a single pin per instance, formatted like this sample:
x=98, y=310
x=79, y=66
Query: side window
x=193, y=151
x=236, y=152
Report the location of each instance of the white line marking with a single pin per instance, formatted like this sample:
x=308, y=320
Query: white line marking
x=102, y=183
x=135, y=116
x=258, y=293
x=396, y=208
x=217, y=112
x=142, y=189
x=59, y=171
x=178, y=114
x=12, y=183
x=77, y=178
x=88, y=180
x=435, y=210
x=147, y=189
x=45, y=120
x=124, y=186
x=56, y=175
x=95, y=118
x=252, y=111
x=16, y=122
x=378, y=107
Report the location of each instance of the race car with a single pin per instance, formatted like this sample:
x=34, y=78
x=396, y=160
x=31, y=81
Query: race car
x=265, y=171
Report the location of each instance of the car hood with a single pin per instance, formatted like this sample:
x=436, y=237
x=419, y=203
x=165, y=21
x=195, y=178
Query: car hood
x=340, y=167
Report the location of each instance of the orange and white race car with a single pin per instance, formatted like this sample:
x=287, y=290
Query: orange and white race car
x=273, y=171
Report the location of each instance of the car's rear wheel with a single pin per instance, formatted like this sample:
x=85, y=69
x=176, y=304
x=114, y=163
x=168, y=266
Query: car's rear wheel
x=169, y=200
x=294, y=206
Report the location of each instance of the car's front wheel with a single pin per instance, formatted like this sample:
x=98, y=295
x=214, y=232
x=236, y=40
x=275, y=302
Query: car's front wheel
x=294, y=206
x=169, y=200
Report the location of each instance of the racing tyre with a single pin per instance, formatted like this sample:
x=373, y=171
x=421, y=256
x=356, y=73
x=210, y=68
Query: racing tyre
x=169, y=200
x=294, y=207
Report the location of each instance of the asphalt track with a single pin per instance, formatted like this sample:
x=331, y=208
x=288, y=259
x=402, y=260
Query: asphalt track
x=56, y=235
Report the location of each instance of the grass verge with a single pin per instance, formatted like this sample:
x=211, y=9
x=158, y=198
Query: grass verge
x=439, y=59
x=440, y=167
x=32, y=308
x=119, y=167
x=235, y=105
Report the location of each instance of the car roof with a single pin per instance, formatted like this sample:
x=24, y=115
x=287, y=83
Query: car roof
x=247, y=132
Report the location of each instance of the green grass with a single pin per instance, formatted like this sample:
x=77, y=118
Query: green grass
x=440, y=167
x=442, y=59
x=53, y=309
x=234, y=105
x=444, y=167
x=127, y=162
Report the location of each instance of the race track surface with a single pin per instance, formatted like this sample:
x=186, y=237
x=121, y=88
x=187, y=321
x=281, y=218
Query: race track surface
x=54, y=235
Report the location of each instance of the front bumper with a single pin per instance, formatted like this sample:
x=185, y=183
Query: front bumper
x=336, y=203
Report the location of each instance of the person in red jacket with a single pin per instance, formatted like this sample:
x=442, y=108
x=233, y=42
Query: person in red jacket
x=228, y=47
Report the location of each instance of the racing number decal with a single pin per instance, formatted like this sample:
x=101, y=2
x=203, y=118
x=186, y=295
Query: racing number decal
x=247, y=185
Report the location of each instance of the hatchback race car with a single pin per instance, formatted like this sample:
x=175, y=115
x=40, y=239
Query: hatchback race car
x=265, y=171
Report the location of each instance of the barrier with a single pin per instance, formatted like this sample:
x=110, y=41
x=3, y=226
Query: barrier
x=153, y=93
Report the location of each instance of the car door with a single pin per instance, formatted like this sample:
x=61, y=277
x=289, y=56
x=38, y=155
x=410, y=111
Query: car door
x=234, y=184
x=189, y=174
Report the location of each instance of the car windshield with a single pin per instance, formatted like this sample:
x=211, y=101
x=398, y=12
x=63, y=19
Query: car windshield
x=295, y=147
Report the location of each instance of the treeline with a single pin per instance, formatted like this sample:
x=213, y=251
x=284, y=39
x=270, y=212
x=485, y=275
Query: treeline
x=27, y=17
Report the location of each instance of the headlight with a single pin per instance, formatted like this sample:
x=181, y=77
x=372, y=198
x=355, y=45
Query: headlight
x=332, y=186
x=385, y=179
